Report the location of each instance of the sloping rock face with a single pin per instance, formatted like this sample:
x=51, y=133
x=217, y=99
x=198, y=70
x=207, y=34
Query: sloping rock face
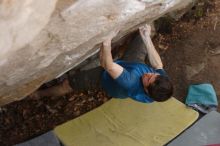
x=41, y=40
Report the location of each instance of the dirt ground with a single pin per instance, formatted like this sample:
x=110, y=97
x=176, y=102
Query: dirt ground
x=190, y=50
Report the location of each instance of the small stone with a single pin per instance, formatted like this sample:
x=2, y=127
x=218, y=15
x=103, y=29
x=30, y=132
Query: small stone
x=194, y=69
x=163, y=47
x=50, y=109
x=72, y=98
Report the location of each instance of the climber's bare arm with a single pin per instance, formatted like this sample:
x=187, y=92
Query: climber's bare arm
x=153, y=56
x=106, y=60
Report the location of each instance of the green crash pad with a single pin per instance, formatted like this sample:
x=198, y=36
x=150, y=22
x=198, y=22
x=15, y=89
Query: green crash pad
x=125, y=122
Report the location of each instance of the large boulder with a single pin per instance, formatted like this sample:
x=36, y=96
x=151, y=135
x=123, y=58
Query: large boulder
x=42, y=39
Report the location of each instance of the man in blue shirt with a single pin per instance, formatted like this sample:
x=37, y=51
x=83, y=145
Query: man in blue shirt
x=129, y=77
x=133, y=78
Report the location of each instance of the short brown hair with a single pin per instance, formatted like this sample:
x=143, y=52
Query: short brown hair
x=161, y=89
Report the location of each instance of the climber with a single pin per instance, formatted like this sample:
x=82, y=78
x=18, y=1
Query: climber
x=129, y=77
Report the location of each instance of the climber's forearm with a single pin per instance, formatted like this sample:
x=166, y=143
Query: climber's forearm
x=107, y=63
x=153, y=55
x=106, y=60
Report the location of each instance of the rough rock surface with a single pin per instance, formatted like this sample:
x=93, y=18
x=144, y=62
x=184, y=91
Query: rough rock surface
x=34, y=51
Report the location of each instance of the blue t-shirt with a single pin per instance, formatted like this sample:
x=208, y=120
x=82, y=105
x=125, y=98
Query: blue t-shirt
x=129, y=83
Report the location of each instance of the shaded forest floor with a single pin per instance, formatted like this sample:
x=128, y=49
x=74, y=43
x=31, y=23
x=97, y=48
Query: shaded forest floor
x=190, y=50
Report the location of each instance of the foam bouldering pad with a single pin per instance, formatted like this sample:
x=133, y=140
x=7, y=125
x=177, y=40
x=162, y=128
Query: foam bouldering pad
x=125, y=122
x=47, y=139
x=204, y=132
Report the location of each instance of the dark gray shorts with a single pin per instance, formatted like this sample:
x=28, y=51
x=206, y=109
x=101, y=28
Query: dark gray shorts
x=86, y=80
